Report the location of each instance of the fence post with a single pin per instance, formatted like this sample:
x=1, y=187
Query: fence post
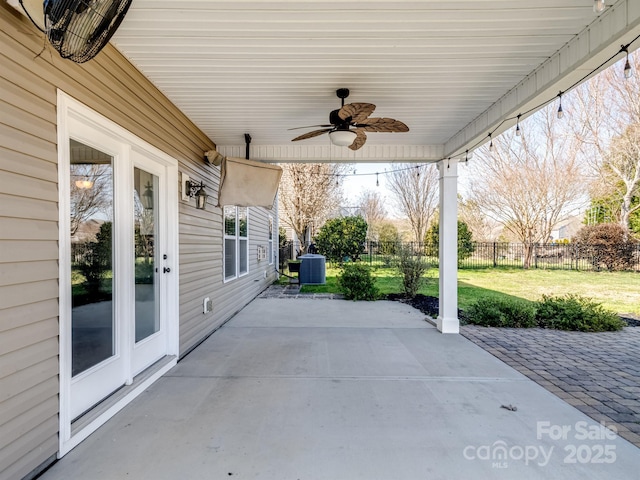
x=370, y=253
x=535, y=255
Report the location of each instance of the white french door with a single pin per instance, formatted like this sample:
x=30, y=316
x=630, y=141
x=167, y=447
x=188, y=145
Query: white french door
x=150, y=262
x=97, y=316
x=118, y=259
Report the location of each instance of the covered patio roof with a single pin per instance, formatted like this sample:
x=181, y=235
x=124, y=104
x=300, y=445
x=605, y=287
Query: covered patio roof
x=452, y=70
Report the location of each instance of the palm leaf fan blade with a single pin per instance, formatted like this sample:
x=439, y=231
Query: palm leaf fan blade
x=358, y=112
x=360, y=140
x=381, y=124
x=312, y=134
x=311, y=126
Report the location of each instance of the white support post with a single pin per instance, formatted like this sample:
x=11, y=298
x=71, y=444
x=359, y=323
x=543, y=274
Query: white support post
x=448, y=321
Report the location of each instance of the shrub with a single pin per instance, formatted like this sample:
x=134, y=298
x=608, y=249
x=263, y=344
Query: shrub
x=411, y=266
x=357, y=283
x=387, y=261
x=502, y=312
x=605, y=244
x=466, y=247
x=572, y=312
x=282, y=237
x=388, y=238
x=342, y=237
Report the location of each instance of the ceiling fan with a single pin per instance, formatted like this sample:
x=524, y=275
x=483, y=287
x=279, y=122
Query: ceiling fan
x=347, y=126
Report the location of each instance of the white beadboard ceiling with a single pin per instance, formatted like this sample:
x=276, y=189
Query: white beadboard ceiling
x=263, y=67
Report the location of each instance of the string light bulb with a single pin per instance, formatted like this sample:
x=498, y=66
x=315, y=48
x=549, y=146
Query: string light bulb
x=628, y=71
x=418, y=172
x=466, y=156
x=560, y=111
x=598, y=6
x=490, y=143
x=518, y=132
x=377, y=181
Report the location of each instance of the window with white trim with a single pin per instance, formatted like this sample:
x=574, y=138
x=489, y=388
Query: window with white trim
x=236, y=241
x=270, y=252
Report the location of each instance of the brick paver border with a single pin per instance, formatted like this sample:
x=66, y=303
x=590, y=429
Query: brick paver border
x=598, y=373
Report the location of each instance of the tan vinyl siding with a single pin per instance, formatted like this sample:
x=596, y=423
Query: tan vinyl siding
x=28, y=266
x=29, y=250
x=201, y=275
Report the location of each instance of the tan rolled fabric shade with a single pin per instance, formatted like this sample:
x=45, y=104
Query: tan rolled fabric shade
x=247, y=183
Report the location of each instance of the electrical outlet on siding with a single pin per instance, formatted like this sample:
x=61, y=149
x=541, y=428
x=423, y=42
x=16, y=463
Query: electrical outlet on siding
x=207, y=305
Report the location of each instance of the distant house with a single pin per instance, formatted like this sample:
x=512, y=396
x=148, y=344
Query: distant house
x=566, y=228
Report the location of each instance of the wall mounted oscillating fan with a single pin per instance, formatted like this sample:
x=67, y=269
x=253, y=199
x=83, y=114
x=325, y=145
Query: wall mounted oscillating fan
x=79, y=29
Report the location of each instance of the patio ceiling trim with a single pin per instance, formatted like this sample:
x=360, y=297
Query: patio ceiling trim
x=332, y=154
x=597, y=42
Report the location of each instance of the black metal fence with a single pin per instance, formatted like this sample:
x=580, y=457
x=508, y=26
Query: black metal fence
x=551, y=256
x=554, y=256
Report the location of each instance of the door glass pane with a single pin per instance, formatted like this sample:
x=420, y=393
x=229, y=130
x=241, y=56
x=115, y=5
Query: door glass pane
x=145, y=237
x=91, y=201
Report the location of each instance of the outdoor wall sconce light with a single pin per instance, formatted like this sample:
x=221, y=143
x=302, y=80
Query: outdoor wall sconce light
x=147, y=197
x=197, y=190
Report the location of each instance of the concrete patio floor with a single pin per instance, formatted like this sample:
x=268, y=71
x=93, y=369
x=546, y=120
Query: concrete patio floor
x=330, y=389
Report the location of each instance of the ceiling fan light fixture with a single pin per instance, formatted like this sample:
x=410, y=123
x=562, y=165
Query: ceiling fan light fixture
x=342, y=138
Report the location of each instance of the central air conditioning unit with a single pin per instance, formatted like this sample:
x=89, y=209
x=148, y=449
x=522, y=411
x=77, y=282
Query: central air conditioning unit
x=312, y=269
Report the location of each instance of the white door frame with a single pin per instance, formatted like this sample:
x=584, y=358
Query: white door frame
x=70, y=110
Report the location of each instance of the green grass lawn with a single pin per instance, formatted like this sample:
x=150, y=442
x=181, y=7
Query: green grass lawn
x=618, y=291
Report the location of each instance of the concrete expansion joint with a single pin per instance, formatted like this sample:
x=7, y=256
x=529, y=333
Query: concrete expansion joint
x=377, y=378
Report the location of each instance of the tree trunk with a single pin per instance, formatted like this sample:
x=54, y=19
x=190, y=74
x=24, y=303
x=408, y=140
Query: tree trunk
x=528, y=253
x=625, y=212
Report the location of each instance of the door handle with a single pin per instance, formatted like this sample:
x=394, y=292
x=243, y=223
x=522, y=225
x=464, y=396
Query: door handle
x=166, y=269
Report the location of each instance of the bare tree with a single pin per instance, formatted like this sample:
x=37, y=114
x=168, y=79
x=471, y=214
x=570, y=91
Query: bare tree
x=308, y=194
x=91, y=192
x=415, y=191
x=529, y=183
x=623, y=161
x=471, y=213
x=371, y=205
x=606, y=120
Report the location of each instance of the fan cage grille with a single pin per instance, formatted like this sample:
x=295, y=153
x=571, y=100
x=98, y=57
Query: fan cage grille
x=79, y=29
